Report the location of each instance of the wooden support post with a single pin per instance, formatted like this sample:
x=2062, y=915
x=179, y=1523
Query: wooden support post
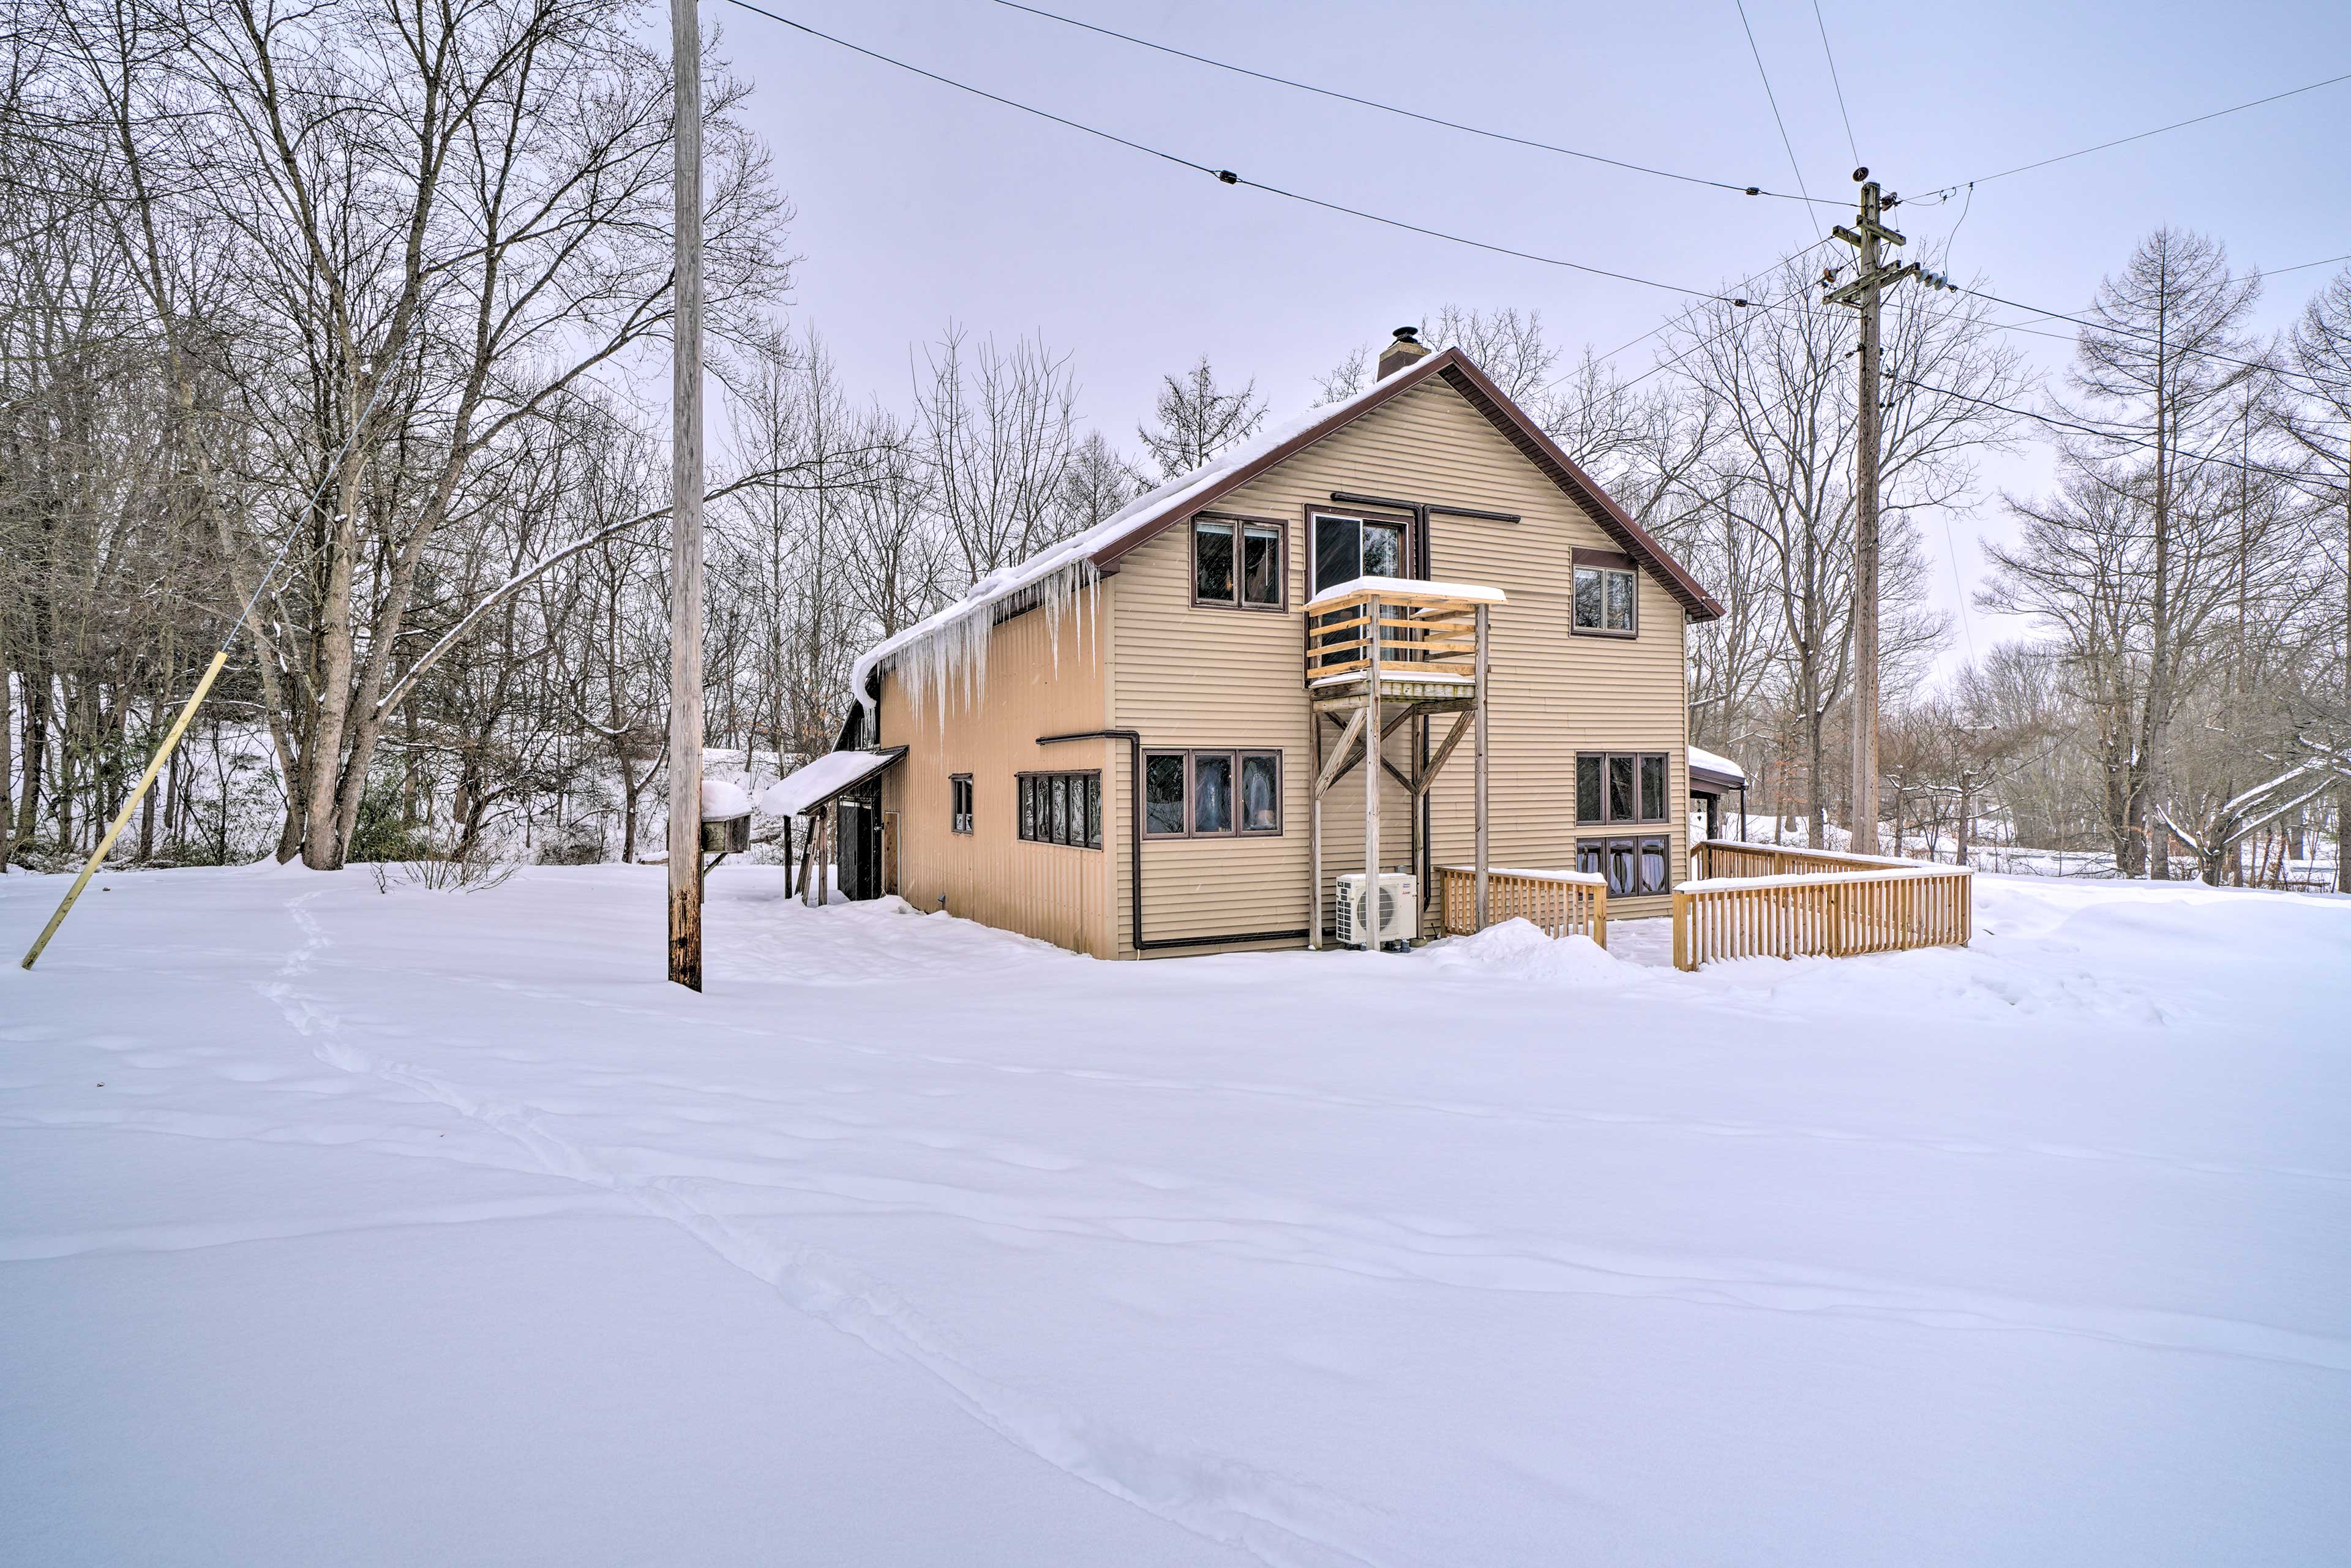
x=1371, y=740
x=1481, y=905
x=1314, y=842
x=685, y=505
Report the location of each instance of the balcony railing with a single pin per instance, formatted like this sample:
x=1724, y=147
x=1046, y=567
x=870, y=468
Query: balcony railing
x=1419, y=639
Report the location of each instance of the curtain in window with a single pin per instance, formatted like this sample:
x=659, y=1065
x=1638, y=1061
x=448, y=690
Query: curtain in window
x=1260, y=794
x=1212, y=794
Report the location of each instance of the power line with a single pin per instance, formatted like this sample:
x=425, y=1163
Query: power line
x=1227, y=176
x=1731, y=186
x=1851, y=143
x=2143, y=135
x=2115, y=436
x=1773, y=98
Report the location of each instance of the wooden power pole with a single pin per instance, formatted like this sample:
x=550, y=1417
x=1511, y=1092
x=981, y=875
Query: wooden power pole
x=1865, y=291
x=686, y=509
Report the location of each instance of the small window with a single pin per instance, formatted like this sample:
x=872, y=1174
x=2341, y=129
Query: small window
x=1061, y=809
x=1260, y=792
x=1348, y=547
x=1623, y=786
x=1655, y=854
x=1587, y=789
x=1606, y=603
x=1211, y=794
x=1239, y=562
x=1164, y=794
x=1261, y=563
x=1212, y=562
x=959, y=799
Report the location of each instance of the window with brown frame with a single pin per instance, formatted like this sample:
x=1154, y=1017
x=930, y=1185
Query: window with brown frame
x=1240, y=563
x=1347, y=546
x=1607, y=597
x=1060, y=809
x=1211, y=794
x=1622, y=786
x=960, y=802
x=1635, y=867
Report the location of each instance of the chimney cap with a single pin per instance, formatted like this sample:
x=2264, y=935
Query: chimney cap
x=1407, y=334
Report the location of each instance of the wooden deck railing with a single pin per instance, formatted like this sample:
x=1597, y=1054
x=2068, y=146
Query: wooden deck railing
x=1421, y=636
x=1563, y=903
x=1816, y=903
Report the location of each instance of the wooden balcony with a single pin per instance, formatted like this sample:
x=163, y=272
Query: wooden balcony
x=1416, y=644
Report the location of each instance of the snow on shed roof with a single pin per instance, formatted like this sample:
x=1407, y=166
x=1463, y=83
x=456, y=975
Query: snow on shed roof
x=1722, y=767
x=807, y=787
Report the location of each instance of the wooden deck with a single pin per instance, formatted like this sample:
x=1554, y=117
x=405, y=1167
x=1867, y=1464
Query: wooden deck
x=1763, y=900
x=1563, y=903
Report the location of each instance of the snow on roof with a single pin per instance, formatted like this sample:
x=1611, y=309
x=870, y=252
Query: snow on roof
x=1406, y=587
x=1715, y=764
x=1133, y=519
x=724, y=799
x=806, y=788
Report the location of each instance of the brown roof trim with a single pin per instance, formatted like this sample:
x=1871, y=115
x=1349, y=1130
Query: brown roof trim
x=1522, y=433
x=1462, y=375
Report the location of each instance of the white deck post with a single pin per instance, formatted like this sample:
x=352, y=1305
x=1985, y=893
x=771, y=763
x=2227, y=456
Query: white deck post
x=1372, y=779
x=1481, y=767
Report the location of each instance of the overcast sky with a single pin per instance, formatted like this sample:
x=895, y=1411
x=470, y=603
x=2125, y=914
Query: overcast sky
x=918, y=204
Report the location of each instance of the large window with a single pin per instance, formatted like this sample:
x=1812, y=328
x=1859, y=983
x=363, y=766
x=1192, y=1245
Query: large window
x=1607, y=600
x=1635, y=867
x=960, y=802
x=1239, y=561
x=1347, y=548
x=1061, y=809
x=1211, y=794
x=1622, y=786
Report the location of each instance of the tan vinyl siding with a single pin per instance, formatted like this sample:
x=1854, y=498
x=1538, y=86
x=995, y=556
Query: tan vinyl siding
x=1053, y=892
x=1189, y=676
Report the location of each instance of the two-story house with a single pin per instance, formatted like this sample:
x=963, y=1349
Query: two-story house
x=1117, y=746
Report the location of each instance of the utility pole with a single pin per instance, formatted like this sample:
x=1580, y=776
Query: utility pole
x=1865, y=291
x=685, y=506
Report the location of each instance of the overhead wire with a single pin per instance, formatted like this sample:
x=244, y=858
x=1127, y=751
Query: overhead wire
x=1227, y=176
x=1793, y=167
x=1851, y=141
x=1735, y=187
x=2143, y=135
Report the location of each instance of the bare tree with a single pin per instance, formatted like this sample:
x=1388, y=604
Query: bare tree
x=1196, y=420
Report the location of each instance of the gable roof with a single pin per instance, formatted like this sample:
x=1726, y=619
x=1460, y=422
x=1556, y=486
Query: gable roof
x=1103, y=545
x=1461, y=372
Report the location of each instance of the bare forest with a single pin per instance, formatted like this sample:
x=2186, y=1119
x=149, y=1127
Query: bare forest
x=366, y=306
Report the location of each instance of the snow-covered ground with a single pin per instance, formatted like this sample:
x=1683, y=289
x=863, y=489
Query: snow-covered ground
x=358, y=1227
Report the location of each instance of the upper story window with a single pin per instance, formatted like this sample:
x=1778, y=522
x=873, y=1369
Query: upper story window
x=1607, y=602
x=960, y=802
x=1239, y=561
x=1348, y=547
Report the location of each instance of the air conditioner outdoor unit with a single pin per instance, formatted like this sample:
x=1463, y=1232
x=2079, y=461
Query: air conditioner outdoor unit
x=1399, y=915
